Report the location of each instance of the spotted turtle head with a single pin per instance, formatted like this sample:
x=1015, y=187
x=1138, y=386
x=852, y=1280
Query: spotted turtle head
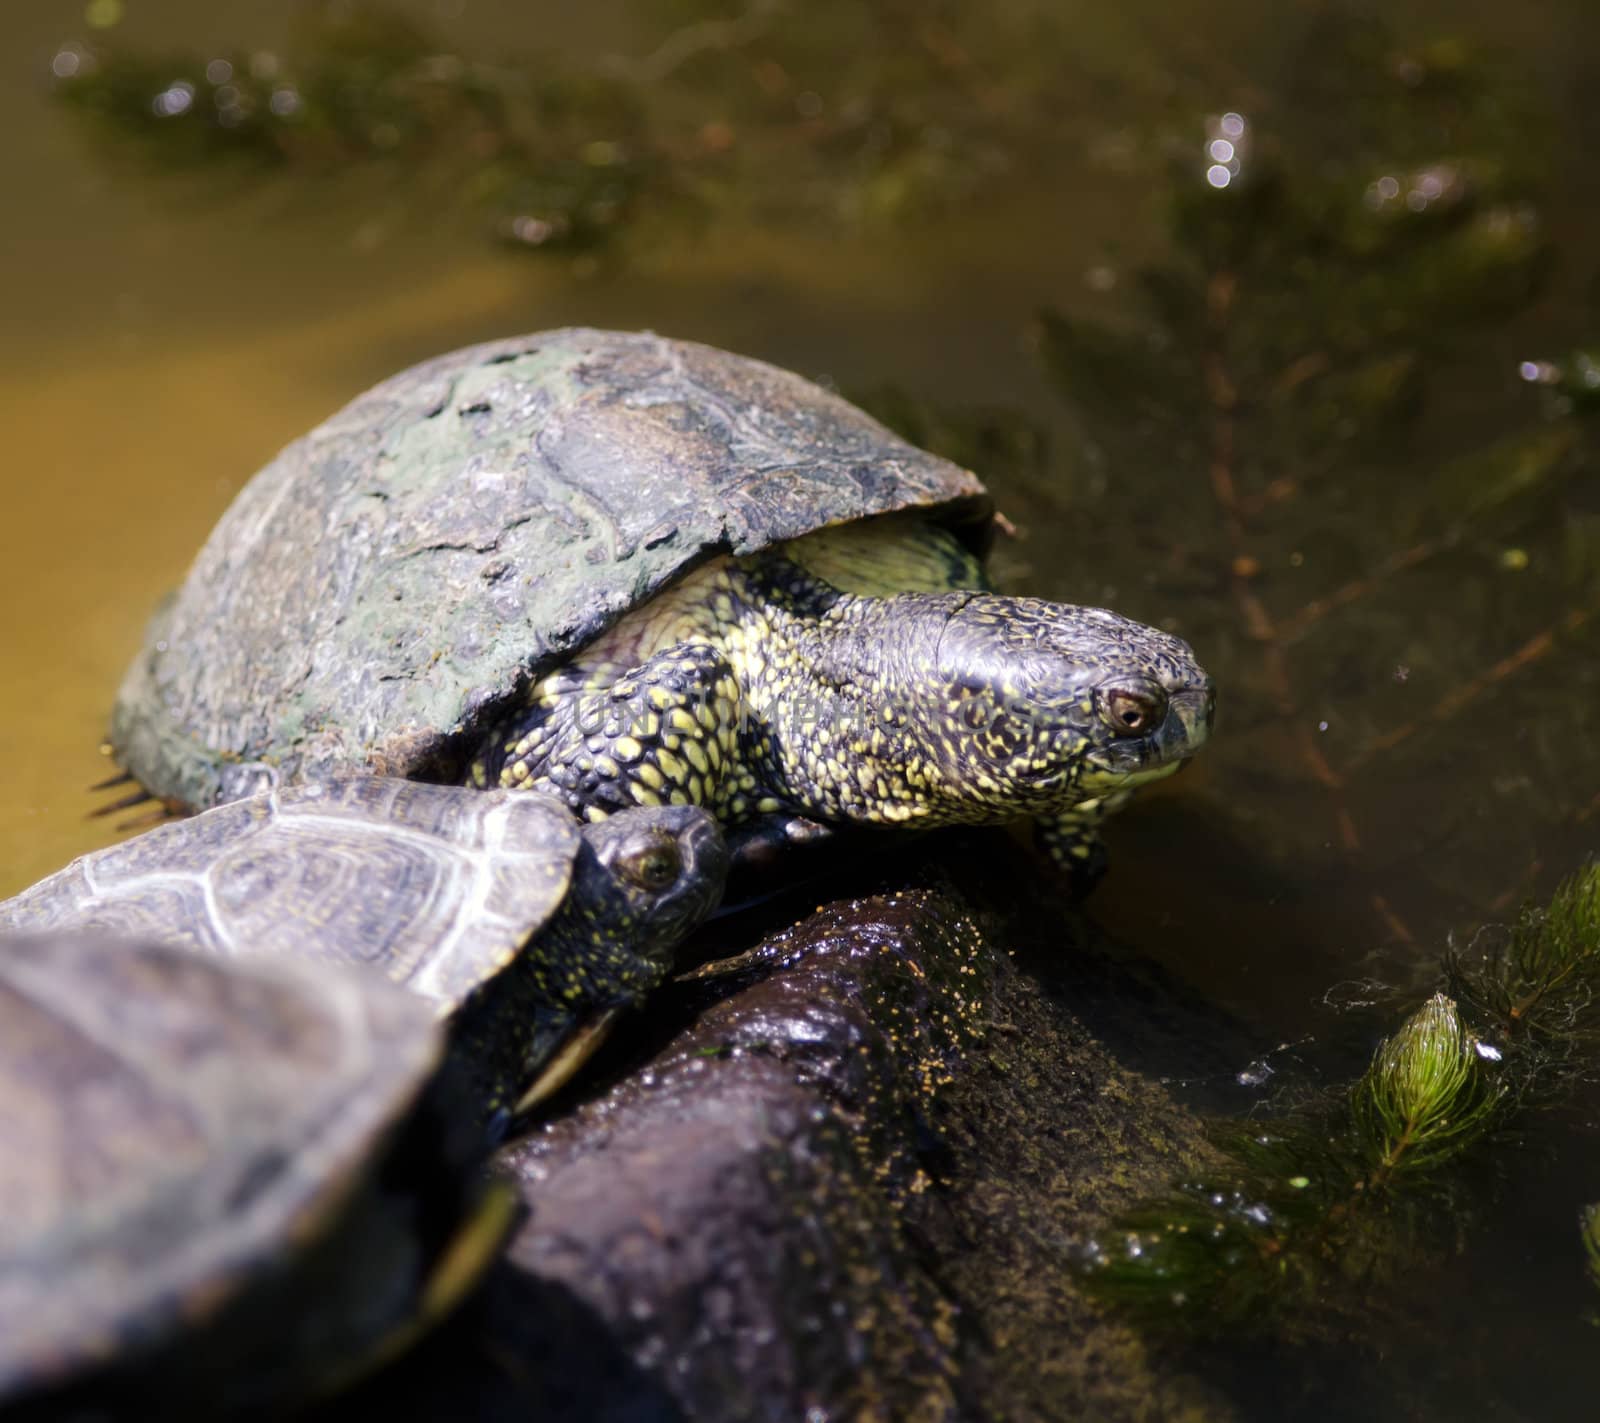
x=649, y=877
x=1046, y=704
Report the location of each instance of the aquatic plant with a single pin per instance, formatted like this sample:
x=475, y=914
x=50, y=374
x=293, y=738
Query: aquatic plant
x=1589, y=1231
x=832, y=113
x=1315, y=1209
x=1539, y=979
x=1425, y=1098
x=557, y=156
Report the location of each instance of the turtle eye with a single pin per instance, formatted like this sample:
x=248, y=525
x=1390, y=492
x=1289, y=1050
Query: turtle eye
x=654, y=867
x=1133, y=711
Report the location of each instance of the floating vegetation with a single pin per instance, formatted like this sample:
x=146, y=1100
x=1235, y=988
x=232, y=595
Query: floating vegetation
x=559, y=158
x=832, y=112
x=1318, y=1207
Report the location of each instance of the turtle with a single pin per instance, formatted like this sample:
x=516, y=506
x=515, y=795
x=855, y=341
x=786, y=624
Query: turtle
x=228, y=1184
x=629, y=570
x=531, y=930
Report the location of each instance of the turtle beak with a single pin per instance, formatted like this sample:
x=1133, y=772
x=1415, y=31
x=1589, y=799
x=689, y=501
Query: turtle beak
x=709, y=851
x=705, y=864
x=1190, y=716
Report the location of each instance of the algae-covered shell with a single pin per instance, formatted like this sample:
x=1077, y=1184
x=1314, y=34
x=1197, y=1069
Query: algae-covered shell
x=405, y=569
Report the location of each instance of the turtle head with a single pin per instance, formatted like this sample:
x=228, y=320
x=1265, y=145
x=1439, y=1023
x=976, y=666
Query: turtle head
x=1046, y=704
x=648, y=877
x=642, y=880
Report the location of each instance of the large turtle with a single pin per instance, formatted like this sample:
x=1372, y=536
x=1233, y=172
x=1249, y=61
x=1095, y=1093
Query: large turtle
x=634, y=571
x=225, y=1184
x=533, y=931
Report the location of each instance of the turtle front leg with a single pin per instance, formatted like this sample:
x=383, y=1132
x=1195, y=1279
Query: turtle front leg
x=663, y=733
x=1071, y=838
x=514, y=1070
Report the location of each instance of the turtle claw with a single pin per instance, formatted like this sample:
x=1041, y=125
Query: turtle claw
x=163, y=811
x=1085, y=874
x=127, y=802
x=1074, y=847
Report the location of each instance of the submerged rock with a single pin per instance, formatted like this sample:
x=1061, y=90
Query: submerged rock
x=846, y=1186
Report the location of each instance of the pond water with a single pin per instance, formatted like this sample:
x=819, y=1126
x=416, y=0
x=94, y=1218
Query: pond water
x=1269, y=330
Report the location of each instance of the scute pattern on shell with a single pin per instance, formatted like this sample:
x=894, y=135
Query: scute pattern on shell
x=466, y=524
x=167, y=1116
x=437, y=887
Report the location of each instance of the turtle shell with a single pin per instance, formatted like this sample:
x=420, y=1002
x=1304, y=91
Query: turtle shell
x=437, y=886
x=407, y=567
x=179, y=1133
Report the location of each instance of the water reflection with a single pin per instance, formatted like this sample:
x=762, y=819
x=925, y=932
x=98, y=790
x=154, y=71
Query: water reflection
x=1227, y=144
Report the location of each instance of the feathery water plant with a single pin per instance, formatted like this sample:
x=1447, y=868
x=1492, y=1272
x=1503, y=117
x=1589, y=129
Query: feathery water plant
x=1538, y=981
x=1425, y=1097
x=1355, y=1189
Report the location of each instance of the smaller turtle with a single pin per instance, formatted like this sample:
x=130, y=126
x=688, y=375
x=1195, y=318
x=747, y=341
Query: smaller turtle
x=226, y=1185
x=532, y=930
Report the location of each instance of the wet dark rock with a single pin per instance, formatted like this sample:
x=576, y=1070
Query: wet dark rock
x=847, y=1184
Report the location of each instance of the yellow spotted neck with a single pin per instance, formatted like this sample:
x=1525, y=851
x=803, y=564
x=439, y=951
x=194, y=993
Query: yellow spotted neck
x=735, y=711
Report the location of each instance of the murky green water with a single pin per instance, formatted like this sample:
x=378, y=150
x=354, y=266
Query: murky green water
x=1262, y=328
